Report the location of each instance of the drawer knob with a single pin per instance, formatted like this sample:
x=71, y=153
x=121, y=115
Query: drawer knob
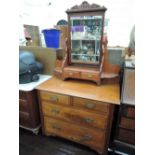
x=55, y=111
x=85, y=138
x=88, y=120
x=90, y=75
x=54, y=98
x=70, y=73
x=56, y=126
x=90, y=105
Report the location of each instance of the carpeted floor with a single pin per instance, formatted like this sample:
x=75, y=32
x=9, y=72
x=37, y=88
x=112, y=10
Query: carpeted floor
x=30, y=144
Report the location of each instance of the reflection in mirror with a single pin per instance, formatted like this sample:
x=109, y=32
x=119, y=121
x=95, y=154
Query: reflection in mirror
x=85, y=38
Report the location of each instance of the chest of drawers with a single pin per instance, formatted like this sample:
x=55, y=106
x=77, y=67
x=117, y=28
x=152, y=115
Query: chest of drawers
x=66, y=113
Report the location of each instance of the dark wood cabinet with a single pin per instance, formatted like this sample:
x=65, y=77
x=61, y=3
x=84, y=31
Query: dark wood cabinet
x=124, y=130
x=29, y=111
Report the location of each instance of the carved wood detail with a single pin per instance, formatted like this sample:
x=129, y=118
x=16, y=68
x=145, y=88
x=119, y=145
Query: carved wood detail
x=86, y=6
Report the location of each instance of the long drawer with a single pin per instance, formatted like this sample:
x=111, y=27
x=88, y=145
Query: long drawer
x=75, y=115
x=91, y=105
x=55, y=98
x=126, y=136
x=127, y=123
x=24, y=119
x=88, y=136
x=23, y=106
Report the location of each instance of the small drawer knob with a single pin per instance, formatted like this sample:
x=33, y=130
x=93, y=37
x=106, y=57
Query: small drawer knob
x=55, y=111
x=70, y=73
x=88, y=120
x=56, y=126
x=90, y=105
x=90, y=75
x=86, y=138
x=54, y=98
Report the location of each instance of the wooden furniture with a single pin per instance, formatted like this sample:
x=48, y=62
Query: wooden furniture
x=29, y=117
x=86, y=46
x=126, y=124
x=29, y=111
x=124, y=139
x=78, y=111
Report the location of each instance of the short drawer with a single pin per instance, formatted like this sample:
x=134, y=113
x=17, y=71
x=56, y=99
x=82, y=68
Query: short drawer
x=91, y=105
x=126, y=136
x=88, y=136
x=90, y=76
x=75, y=115
x=55, y=98
x=23, y=106
x=127, y=123
x=24, y=119
x=72, y=74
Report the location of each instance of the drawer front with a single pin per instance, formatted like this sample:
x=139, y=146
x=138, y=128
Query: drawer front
x=75, y=115
x=88, y=136
x=72, y=74
x=23, y=106
x=130, y=112
x=126, y=136
x=91, y=105
x=24, y=119
x=55, y=98
x=127, y=123
x=22, y=95
x=90, y=76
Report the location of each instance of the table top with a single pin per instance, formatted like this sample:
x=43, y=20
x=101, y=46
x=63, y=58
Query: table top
x=30, y=86
x=109, y=93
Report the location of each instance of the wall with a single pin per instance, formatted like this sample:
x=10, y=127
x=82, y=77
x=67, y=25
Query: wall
x=119, y=12
x=46, y=56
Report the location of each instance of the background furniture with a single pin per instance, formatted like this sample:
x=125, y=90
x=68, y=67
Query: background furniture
x=124, y=138
x=29, y=117
x=78, y=110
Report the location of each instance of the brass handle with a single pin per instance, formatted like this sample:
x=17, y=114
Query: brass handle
x=70, y=73
x=90, y=75
x=55, y=111
x=88, y=120
x=73, y=138
x=90, y=105
x=85, y=138
x=54, y=98
x=56, y=126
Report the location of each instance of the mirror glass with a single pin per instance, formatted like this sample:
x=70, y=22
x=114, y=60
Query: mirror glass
x=85, y=39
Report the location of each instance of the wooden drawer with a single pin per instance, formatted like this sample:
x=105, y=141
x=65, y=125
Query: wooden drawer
x=127, y=123
x=129, y=111
x=126, y=136
x=55, y=98
x=75, y=115
x=91, y=104
x=22, y=95
x=72, y=74
x=23, y=106
x=24, y=119
x=90, y=76
x=88, y=136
